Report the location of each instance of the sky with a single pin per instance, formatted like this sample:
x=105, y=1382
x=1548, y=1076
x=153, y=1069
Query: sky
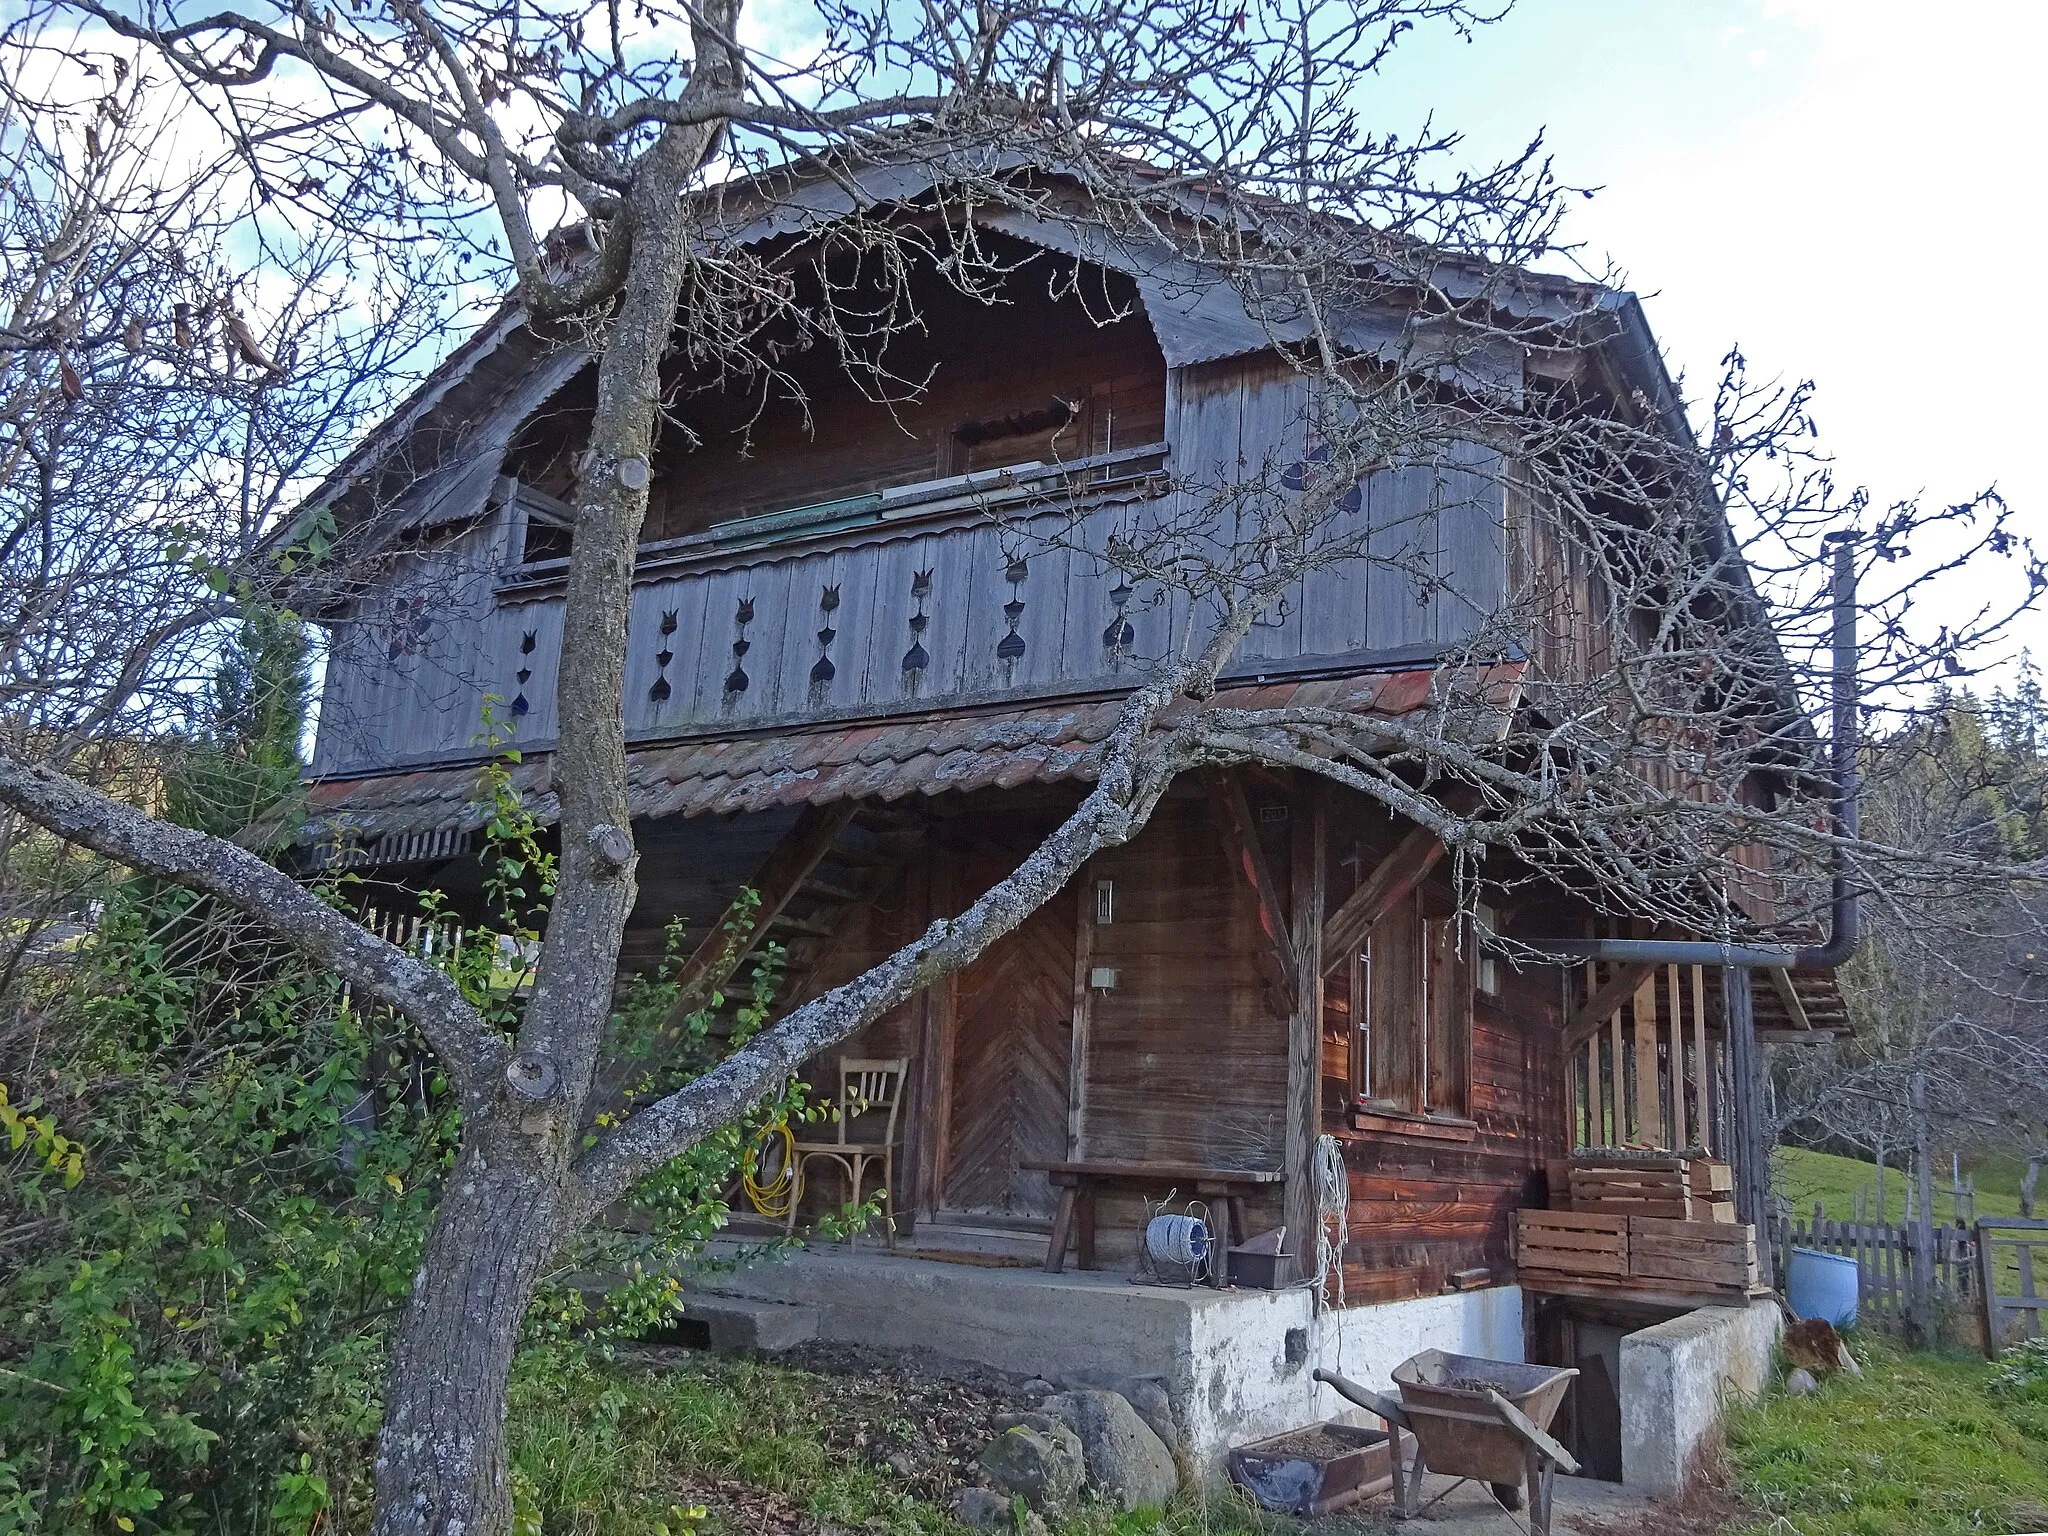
x=1851, y=190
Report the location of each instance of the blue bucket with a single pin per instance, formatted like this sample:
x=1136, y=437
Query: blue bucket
x=1822, y=1285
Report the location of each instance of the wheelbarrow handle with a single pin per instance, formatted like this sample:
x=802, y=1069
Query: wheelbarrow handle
x=1366, y=1398
x=1523, y=1425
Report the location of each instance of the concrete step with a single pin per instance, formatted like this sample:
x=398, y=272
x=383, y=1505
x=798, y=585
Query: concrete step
x=730, y=1323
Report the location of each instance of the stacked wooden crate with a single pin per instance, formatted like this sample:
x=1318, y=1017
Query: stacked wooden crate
x=1641, y=1223
x=1633, y=1186
x=1571, y=1242
x=1713, y=1190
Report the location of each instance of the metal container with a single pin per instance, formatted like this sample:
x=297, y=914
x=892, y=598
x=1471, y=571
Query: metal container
x=1289, y=1479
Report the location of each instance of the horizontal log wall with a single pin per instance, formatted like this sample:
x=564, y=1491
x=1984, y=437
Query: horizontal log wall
x=1422, y=1210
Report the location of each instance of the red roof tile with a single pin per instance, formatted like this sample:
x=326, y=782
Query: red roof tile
x=885, y=760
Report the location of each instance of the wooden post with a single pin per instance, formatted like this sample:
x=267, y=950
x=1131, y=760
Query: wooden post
x=1649, y=1110
x=1678, y=1136
x=1702, y=1067
x=936, y=1036
x=1308, y=881
x=1084, y=1015
x=1751, y=1156
x=1617, y=1082
x=1923, y=1221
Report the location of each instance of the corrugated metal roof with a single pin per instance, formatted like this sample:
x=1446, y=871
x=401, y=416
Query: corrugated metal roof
x=390, y=818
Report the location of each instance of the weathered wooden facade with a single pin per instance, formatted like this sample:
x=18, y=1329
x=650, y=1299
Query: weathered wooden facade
x=872, y=659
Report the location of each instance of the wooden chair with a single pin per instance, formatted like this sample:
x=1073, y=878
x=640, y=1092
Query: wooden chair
x=870, y=1094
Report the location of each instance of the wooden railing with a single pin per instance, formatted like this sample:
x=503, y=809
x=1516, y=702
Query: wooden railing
x=1644, y=1066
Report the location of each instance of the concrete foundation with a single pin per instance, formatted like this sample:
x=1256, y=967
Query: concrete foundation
x=1237, y=1364
x=1677, y=1377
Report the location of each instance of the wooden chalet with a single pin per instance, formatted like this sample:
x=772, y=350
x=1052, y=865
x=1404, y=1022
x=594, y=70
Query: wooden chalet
x=862, y=682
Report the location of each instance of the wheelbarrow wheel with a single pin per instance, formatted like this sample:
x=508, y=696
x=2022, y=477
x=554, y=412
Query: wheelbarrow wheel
x=1507, y=1495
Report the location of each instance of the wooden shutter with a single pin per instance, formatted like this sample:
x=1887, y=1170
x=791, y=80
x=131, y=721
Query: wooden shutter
x=1394, y=993
x=1450, y=1019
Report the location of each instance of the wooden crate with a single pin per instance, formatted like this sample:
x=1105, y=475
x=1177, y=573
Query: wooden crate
x=1572, y=1243
x=1701, y=1256
x=1711, y=1179
x=1649, y=1187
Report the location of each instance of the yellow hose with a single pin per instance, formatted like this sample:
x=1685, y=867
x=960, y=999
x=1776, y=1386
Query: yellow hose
x=779, y=1195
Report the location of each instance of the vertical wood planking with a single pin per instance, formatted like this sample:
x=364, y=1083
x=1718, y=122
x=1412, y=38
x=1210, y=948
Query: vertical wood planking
x=1401, y=553
x=1471, y=540
x=1649, y=1117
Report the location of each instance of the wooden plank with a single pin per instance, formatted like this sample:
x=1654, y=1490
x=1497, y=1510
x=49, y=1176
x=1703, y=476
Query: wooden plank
x=1603, y=1004
x=721, y=952
x=1448, y=1060
x=1795, y=1010
x=1678, y=1137
x=1703, y=1122
x=1649, y=1103
x=1618, y=1086
x=1248, y=855
x=1392, y=879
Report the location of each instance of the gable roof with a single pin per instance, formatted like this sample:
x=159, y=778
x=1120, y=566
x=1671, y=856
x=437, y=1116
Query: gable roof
x=450, y=434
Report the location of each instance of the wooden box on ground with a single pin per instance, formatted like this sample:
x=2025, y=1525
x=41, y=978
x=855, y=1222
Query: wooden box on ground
x=1317, y=1470
x=1572, y=1242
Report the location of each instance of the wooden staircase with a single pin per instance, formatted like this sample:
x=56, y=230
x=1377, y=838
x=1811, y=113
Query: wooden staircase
x=833, y=861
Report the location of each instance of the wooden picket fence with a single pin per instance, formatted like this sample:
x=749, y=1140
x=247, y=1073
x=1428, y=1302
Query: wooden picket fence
x=1884, y=1263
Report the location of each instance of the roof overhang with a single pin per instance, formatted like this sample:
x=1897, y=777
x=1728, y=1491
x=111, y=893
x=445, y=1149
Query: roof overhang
x=431, y=814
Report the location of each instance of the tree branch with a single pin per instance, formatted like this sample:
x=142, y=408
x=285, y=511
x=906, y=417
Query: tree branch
x=470, y=1048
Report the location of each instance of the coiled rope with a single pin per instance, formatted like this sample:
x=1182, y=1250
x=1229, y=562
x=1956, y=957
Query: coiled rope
x=1333, y=1204
x=778, y=1196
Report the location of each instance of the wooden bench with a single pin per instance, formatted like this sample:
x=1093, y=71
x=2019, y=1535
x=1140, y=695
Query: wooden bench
x=1073, y=1223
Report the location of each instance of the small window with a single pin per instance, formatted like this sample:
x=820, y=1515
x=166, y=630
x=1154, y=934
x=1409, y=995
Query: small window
x=1485, y=967
x=1411, y=985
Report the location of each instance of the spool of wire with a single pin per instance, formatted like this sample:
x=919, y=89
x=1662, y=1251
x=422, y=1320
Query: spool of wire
x=1179, y=1241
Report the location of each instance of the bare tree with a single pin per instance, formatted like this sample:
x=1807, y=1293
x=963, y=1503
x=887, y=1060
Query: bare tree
x=1233, y=139
x=174, y=367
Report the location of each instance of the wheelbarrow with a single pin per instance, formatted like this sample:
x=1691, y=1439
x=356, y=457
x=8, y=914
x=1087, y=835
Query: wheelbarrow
x=1473, y=1419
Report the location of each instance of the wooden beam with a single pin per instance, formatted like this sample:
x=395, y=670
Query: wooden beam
x=1795, y=1009
x=1619, y=987
x=1703, y=1067
x=779, y=878
x=1391, y=880
x=1678, y=1138
x=1749, y=1153
x=1084, y=1016
x=1649, y=1105
x=1308, y=879
x=1241, y=842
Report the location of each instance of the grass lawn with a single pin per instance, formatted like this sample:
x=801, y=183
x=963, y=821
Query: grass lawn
x=1921, y=1444
x=1804, y=1177
x=714, y=1446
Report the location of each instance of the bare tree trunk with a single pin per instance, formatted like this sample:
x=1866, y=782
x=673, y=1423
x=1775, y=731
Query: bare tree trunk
x=441, y=1467
x=2030, y=1183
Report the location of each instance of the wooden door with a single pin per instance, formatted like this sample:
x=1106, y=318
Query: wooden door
x=1013, y=1023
